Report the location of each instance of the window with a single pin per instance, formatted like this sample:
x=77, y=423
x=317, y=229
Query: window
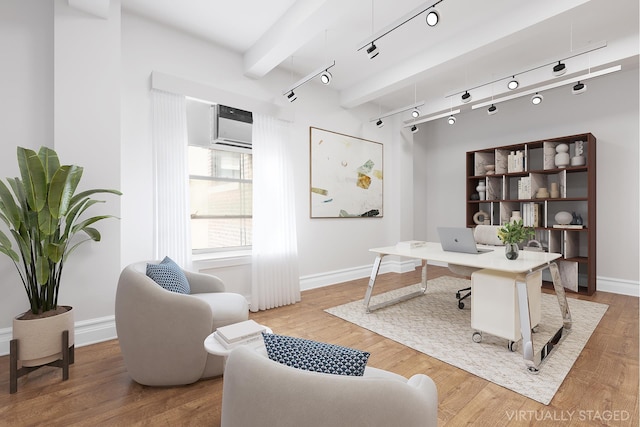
x=220, y=188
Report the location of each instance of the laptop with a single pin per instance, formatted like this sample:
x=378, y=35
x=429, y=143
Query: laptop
x=459, y=239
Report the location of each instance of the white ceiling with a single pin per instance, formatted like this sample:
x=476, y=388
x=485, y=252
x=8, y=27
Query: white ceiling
x=475, y=43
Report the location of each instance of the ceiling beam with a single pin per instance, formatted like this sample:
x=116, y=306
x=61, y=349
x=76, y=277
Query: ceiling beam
x=305, y=20
x=405, y=73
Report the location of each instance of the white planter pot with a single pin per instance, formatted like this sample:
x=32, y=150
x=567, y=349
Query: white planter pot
x=40, y=340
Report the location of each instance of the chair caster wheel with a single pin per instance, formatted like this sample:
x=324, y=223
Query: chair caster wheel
x=534, y=329
x=476, y=337
x=512, y=346
x=533, y=370
x=460, y=305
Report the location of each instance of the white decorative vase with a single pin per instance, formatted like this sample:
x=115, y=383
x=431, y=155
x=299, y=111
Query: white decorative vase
x=563, y=218
x=482, y=190
x=40, y=340
x=562, y=159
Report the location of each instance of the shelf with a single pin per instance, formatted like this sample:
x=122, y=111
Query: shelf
x=536, y=166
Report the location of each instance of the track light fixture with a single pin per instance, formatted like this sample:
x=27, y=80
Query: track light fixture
x=379, y=123
x=423, y=119
x=451, y=120
x=412, y=107
x=415, y=113
x=492, y=110
x=536, y=99
x=372, y=51
x=414, y=129
x=553, y=85
x=559, y=69
x=325, y=77
x=433, y=18
x=579, y=88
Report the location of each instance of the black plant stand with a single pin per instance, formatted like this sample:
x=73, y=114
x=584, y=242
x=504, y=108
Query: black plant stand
x=68, y=356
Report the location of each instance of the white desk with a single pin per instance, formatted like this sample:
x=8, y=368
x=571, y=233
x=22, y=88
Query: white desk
x=527, y=263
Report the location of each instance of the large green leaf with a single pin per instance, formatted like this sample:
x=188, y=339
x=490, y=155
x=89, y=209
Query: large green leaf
x=46, y=223
x=50, y=161
x=42, y=269
x=33, y=178
x=78, y=197
x=81, y=226
x=10, y=253
x=5, y=247
x=54, y=251
x=63, y=185
x=10, y=208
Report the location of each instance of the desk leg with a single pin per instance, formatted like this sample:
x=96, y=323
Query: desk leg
x=372, y=281
x=424, y=277
x=531, y=358
x=560, y=294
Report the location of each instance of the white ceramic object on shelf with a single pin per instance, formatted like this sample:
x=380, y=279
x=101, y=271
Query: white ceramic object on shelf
x=562, y=157
x=578, y=161
x=482, y=190
x=563, y=218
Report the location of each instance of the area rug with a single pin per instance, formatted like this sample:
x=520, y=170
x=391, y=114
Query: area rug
x=433, y=324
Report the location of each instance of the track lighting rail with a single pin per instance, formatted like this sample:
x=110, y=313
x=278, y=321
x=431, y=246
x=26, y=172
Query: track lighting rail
x=397, y=23
x=589, y=48
x=307, y=78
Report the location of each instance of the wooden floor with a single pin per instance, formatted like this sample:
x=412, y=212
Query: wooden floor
x=601, y=389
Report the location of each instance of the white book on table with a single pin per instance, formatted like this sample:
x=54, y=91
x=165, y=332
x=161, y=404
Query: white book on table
x=230, y=345
x=240, y=331
x=410, y=244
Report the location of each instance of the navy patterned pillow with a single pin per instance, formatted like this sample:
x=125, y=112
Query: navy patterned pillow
x=169, y=275
x=315, y=356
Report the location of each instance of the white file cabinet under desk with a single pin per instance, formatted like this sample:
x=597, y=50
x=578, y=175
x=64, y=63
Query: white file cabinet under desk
x=494, y=304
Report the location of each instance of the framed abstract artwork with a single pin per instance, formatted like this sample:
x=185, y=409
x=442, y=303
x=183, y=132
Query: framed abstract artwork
x=346, y=175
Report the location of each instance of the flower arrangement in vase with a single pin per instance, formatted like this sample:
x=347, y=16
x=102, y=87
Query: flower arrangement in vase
x=513, y=233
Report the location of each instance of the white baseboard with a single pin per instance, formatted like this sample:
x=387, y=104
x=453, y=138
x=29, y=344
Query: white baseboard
x=617, y=286
x=86, y=332
x=338, y=276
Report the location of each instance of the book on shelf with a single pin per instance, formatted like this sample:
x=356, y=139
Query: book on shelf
x=240, y=331
x=569, y=226
x=410, y=244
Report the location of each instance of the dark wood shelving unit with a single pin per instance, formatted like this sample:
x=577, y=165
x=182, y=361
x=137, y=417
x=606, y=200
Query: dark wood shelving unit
x=577, y=187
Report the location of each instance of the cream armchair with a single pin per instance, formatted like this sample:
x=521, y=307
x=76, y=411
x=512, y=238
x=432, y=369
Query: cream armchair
x=259, y=391
x=161, y=333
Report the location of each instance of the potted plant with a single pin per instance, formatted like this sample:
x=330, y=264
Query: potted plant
x=513, y=233
x=44, y=216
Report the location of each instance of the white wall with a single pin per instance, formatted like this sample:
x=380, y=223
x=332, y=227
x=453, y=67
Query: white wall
x=609, y=110
x=328, y=248
x=26, y=110
x=61, y=84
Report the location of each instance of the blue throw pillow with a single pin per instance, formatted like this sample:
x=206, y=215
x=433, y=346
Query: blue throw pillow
x=169, y=275
x=315, y=356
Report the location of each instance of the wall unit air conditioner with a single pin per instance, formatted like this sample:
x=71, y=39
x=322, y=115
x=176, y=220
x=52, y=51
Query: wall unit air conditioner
x=231, y=127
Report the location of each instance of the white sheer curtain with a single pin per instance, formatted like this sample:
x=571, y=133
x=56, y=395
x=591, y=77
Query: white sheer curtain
x=275, y=272
x=172, y=233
